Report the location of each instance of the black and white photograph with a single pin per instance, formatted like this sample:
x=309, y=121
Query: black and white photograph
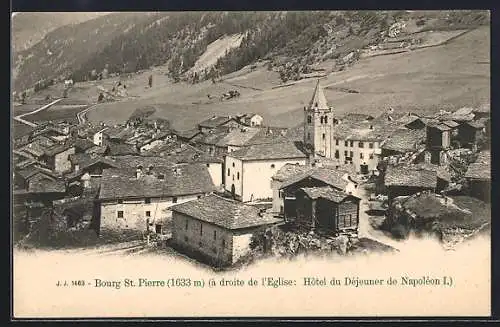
x=250, y=163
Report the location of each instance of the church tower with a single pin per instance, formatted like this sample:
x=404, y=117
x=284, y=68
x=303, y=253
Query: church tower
x=318, y=124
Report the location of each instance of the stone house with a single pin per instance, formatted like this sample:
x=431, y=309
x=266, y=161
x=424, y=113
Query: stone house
x=251, y=119
x=404, y=181
x=216, y=229
x=469, y=134
x=57, y=157
x=216, y=122
x=248, y=171
x=137, y=199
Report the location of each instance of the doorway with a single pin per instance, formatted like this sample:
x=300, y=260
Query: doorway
x=233, y=191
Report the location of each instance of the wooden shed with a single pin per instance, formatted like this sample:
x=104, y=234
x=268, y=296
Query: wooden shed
x=326, y=209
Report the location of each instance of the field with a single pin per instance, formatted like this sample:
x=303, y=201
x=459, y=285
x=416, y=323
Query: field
x=449, y=76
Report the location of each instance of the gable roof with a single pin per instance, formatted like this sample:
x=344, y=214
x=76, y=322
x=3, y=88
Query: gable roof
x=404, y=140
x=332, y=177
x=406, y=176
x=58, y=149
x=289, y=170
x=328, y=193
x=268, y=151
x=224, y=212
x=318, y=98
x=481, y=168
x=238, y=136
x=215, y=121
x=183, y=179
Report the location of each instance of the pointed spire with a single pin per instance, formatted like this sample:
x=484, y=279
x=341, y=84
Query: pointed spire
x=318, y=99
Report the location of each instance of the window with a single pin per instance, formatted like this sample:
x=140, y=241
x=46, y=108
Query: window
x=148, y=213
x=324, y=136
x=337, y=155
x=326, y=120
x=201, y=229
x=186, y=238
x=208, y=165
x=215, y=234
x=309, y=119
x=272, y=166
x=223, y=243
x=370, y=145
x=120, y=201
x=238, y=175
x=233, y=164
x=228, y=172
x=371, y=155
x=308, y=136
x=120, y=214
x=321, y=119
x=345, y=153
x=282, y=209
x=351, y=144
x=361, y=155
x=148, y=200
x=158, y=229
x=361, y=145
x=187, y=224
x=174, y=199
x=345, y=143
x=336, y=142
x=199, y=196
x=351, y=154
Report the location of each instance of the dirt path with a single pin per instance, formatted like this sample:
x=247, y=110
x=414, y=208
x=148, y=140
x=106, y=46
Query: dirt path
x=20, y=119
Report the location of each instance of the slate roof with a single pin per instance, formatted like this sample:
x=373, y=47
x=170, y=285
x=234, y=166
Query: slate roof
x=438, y=125
x=133, y=161
x=441, y=171
x=215, y=121
x=83, y=144
x=481, y=168
x=404, y=140
x=44, y=184
x=57, y=149
x=122, y=183
x=405, y=176
x=238, y=136
x=289, y=170
x=375, y=130
x=86, y=161
x=188, y=134
x=332, y=177
x=270, y=151
x=211, y=138
x=120, y=149
x=484, y=108
x=326, y=192
x=224, y=212
x=318, y=98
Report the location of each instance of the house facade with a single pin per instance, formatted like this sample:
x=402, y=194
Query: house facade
x=57, y=158
x=248, y=171
x=216, y=229
x=138, y=200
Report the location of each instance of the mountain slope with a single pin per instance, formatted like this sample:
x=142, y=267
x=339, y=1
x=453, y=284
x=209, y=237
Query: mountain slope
x=292, y=42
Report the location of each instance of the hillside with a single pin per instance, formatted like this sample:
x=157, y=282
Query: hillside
x=30, y=28
x=292, y=42
x=447, y=76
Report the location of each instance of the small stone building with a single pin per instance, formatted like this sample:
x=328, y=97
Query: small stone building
x=215, y=229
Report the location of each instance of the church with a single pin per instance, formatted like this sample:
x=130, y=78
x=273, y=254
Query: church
x=348, y=142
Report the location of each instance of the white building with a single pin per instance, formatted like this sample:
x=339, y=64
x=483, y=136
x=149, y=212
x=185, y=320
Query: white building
x=248, y=171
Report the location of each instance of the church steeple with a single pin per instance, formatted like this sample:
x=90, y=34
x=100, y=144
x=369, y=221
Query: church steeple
x=318, y=99
x=318, y=124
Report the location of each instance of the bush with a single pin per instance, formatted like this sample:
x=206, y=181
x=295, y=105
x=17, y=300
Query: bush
x=400, y=231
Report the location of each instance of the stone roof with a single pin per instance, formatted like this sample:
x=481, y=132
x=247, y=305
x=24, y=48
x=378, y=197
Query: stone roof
x=224, y=212
x=238, y=136
x=120, y=149
x=318, y=99
x=326, y=192
x=214, y=121
x=441, y=171
x=83, y=144
x=58, y=149
x=484, y=108
x=187, y=134
x=270, y=151
x=133, y=161
x=44, y=184
x=404, y=140
x=86, y=161
x=375, y=130
x=213, y=137
x=332, y=177
x=405, y=176
x=183, y=179
x=289, y=170
x=481, y=168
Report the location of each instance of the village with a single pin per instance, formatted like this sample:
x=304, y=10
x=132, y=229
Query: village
x=234, y=189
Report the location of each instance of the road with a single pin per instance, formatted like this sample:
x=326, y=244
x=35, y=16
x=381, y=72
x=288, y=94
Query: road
x=82, y=115
x=20, y=119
